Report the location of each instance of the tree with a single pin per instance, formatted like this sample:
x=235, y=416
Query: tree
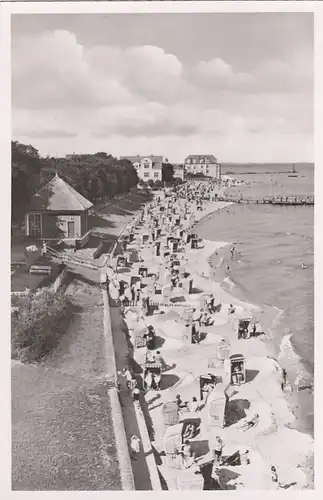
x=167, y=172
x=95, y=176
x=25, y=176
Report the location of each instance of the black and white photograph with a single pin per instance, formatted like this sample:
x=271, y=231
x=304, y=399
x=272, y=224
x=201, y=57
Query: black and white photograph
x=162, y=251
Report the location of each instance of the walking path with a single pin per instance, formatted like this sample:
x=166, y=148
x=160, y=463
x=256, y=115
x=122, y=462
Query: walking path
x=139, y=466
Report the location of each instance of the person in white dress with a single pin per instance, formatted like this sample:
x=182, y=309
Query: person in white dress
x=134, y=446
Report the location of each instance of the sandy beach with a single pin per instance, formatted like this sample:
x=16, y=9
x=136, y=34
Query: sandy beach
x=297, y=401
x=261, y=393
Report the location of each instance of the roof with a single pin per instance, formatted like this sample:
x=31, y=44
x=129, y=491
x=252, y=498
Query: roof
x=211, y=158
x=138, y=158
x=57, y=195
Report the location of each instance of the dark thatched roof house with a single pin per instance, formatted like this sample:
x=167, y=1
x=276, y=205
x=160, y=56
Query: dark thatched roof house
x=58, y=212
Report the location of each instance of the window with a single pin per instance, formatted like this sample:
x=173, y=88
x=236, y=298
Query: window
x=34, y=225
x=70, y=229
x=146, y=174
x=156, y=174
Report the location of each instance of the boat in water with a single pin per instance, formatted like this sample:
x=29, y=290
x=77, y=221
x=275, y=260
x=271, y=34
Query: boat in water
x=293, y=173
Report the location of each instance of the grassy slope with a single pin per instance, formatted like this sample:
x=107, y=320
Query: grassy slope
x=62, y=435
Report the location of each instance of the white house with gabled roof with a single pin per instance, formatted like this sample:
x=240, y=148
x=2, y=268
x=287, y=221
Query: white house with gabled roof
x=147, y=167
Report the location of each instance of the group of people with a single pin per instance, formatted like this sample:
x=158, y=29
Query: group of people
x=134, y=296
x=201, y=317
x=152, y=381
x=237, y=375
x=192, y=406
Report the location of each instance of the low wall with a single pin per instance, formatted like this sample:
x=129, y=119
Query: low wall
x=59, y=281
x=127, y=479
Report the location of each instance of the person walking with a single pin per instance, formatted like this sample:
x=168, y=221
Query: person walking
x=133, y=384
x=133, y=295
x=157, y=380
x=136, y=395
x=128, y=376
x=134, y=447
x=284, y=379
x=217, y=449
x=43, y=250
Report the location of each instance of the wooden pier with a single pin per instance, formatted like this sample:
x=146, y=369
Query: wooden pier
x=272, y=200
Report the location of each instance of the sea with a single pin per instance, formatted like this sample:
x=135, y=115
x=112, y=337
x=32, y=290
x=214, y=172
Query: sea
x=271, y=244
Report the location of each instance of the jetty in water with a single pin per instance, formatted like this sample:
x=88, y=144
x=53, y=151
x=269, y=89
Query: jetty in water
x=272, y=200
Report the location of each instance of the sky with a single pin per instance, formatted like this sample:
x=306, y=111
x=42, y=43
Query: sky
x=239, y=86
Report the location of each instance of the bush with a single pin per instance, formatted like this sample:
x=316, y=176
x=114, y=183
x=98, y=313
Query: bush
x=38, y=325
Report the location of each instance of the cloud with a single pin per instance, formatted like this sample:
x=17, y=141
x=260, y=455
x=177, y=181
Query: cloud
x=220, y=74
x=146, y=69
x=52, y=71
x=45, y=134
x=62, y=73
x=68, y=92
x=269, y=76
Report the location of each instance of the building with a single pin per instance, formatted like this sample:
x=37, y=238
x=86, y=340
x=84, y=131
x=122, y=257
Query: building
x=179, y=171
x=203, y=165
x=147, y=167
x=58, y=212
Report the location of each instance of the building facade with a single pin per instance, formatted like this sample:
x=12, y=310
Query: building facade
x=179, y=171
x=147, y=167
x=58, y=212
x=203, y=165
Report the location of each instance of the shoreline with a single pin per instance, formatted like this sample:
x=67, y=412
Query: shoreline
x=217, y=261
